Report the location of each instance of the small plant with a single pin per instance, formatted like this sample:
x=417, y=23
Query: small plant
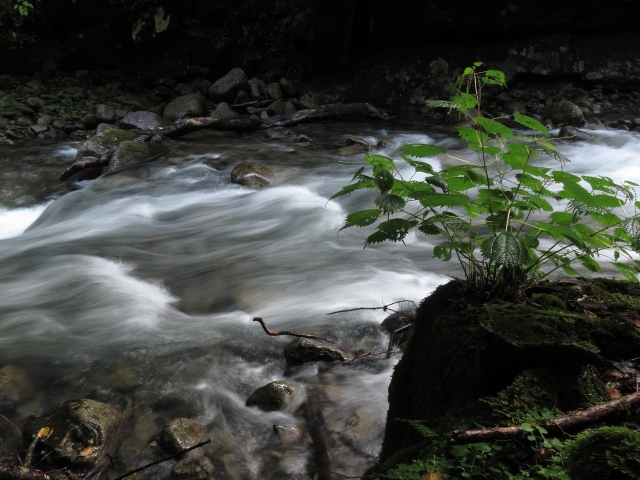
x=507, y=219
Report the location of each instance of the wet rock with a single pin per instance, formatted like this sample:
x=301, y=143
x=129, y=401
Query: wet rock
x=138, y=103
x=278, y=134
x=198, y=467
x=24, y=122
x=105, y=113
x=305, y=350
x=289, y=107
x=83, y=431
x=576, y=135
x=264, y=115
x=224, y=112
x=181, y=433
x=39, y=128
x=103, y=127
x=11, y=108
x=278, y=395
x=142, y=120
x=255, y=91
x=35, y=102
x=252, y=175
x=242, y=98
x=398, y=320
x=182, y=89
x=128, y=152
x=274, y=91
x=355, y=149
x=287, y=89
x=311, y=101
x=201, y=85
x=100, y=143
x=357, y=141
x=226, y=88
x=90, y=121
x=303, y=138
x=193, y=105
x=276, y=108
x=566, y=112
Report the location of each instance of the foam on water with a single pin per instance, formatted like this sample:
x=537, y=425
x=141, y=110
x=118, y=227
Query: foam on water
x=15, y=222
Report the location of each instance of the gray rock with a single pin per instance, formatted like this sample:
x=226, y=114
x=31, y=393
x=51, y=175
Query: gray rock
x=120, y=113
x=201, y=85
x=101, y=143
x=252, y=175
x=24, y=122
x=181, y=433
x=138, y=103
x=303, y=138
x=305, y=350
x=289, y=108
x=226, y=88
x=276, y=108
x=355, y=149
x=198, y=467
x=255, y=92
x=274, y=91
x=15, y=384
x=182, y=89
x=103, y=127
x=128, y=152
x=193, y=105
x=35, y=102
x=83, y=431
x=287, y=88
x=567, y=113
x=311, y=101
x=39, y=128
x=576, y=135
x=10, y=104
x=90, y=121
x=264, y=115
x=142, y=120
x=105, y=113
x=223, y=112
x=274, y=396
x=242, y=97
x=357, y=141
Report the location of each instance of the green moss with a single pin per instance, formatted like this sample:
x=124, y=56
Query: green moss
x=607, y=453
x=112, y=137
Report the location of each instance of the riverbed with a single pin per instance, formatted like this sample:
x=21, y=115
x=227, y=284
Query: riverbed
x=139, y=289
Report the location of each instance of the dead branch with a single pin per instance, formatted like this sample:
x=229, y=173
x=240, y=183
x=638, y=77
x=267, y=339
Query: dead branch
x=384, y=308
x=359, y=357
x=571, y=421
x=149, y=465
x=393, y=337
x=17, y=430
x=28, y=459
x=15, y=472
x=84, y=163
x=293, y=334
x=246, y=104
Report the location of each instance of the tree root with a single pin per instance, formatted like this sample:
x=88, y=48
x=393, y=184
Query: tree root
x=570, y=421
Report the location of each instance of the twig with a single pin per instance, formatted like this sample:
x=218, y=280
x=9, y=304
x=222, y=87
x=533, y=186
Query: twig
x=28, y=459
x=293, y=334
x=362, y=355
x=393, y=337
x=148, y=465
x=341, y=475
x=244, y=104
x=12, y=425
x=383, y=308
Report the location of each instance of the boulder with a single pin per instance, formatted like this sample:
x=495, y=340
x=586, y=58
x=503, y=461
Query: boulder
x=101, y=143
x=142, y=120
x=82, y=431
x=181, y=433
x=128, y=152
x=241, y=98
x=278, y=395
x=196, y=467
x=103, y=127
x=576, y=135
x=201, y=85
x=105, y=113
x=35, y=102
x=139, y=103
x=355, y=149
x=11, y=108
x=192, y=105
x=90, y=121
x=223, y=112
x=255, y=90
x=226, y=88
x=24, y=122
x=252, y=175
x=276, y=108
x=566, y=112
x=274, y=91
x=287, y=88
x=39, y=128
x=311, y=101
x=305, y=350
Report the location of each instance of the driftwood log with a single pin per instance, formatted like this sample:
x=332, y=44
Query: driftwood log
x=571, y=421
x=84, y=163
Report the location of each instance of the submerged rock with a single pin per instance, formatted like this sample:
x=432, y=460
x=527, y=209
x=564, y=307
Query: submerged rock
x=181, y=433
x=82, y=431
x=199, y=467
x=576, y=135
x=252, y=175
x=277, y=395
x=306, y=350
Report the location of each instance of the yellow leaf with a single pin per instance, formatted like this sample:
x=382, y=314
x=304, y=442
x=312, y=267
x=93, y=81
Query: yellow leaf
x=86, y=452
x=45, y=432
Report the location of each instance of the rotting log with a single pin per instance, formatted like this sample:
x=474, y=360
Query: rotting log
x=571, y=421
x=85, y=163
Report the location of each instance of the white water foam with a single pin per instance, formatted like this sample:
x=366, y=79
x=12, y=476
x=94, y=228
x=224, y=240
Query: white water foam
x=14, y=222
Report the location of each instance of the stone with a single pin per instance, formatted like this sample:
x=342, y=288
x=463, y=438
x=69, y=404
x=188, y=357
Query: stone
x=306, y=350
x=274, y=91
x=355, y=149
x=182, y=89
x=103, y=127
x=192, y=105
x=120, y=113
x=90, y=121
x=264, y=115
x=276, y=108
x=142, y=120
x=278, y=395
x=83, y=431
x=101, y=143
x=181, y=433
x=201, y=85
x=39, y=128
x=226, y=88
x=35, y=102
x=138, y=103
x=576, y=135
x=128, y=152
x=105, y=113
x=255, y=92
x=566, y=112
x=24, y=122
x=287, y=88
x=11, y=104
x=289, y=108
x=223, y=112
x=241, y=98
x=310, y=101
x=49, y=68
x=198, y=467
x=252, y=175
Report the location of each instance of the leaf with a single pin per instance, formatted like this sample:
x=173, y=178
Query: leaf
x=494, y=77
x=554, y=154
x=442, y=104
x=452, y=222
x=531, y=123
x=590, y=264
x=380, y=161
x=443, y=199
x=562, y=177
x=518, y=156
x=348, y=189
x=442, y=252
x=496, y=128
x=361, y=218
x=358, y=173
x=423, y=150
x=505, y=249
x=85, y=452
x=564, y=218
x=438, y=181
x=472, y=136
x=628, y=271
x=419, y=166
x=384, y=180
x=393, y=230
x=466, y=101
x=631, y=227
x=429, y=229
x=412, y=189
x=45, y=432
x=390, y=203
x=527, y=427
x=573, y=191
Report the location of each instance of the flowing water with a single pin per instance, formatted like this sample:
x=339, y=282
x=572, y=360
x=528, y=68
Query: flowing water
x=139, y=289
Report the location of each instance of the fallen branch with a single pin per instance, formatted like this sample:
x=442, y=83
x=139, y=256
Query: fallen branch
x=293, y=334
x=84, y=163
x=15, y=472
x=384, y=308
x=149, y=465
x=244, y=104
x=570, y=421
x=393, y=337
x=346, y=362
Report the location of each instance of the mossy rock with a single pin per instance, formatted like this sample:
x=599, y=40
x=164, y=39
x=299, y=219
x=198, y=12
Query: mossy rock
x=607, y=453
x=306, y=350
x=100, y=144
x=278, y=395
x=128, y=152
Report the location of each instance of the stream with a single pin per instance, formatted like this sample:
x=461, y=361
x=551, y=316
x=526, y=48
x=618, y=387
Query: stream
x=139, y=289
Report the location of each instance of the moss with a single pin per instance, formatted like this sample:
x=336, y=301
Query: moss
x=607, y=453
x=112, y=137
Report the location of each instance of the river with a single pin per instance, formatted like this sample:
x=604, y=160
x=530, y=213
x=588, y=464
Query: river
x=139, y=289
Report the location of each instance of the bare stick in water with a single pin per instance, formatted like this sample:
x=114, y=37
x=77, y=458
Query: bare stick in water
x=288, y=332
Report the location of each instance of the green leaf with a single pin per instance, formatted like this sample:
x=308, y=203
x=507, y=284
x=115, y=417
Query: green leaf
x=564, y=218
x=450, y=221
x=380, y=161
x=442, y=252
x=631, y=227
x=568, y=270
x=518, y=156
x=411, y=188
x=505, y=249
x=438, y=181
x=384, y=180
x=472, y=136
x=563, y=177
x=492, y=127
x=423, y=150
x=494, y=77
x=348, y=189
x=393, y=230
x=443, y=199
x=442, y=104
x=390, y=203
x=419, y=166
x=361, y=218
x=465, y=100
x=573, y=191
x=590, y=264
x=550, y=152
x=428, y=228
x=628, y=271
x=527, y=427
x=358, y=173
x=532, y=124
